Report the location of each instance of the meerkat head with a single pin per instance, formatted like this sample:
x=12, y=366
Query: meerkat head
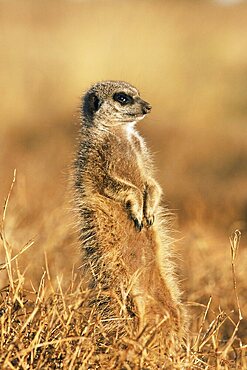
x=113, y=103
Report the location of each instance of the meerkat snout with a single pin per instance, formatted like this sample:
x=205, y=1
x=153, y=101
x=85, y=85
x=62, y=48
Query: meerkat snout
x=146, y=107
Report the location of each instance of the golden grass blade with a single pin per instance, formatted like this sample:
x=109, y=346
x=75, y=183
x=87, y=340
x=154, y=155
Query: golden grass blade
x=213, y=328
x=5, y=207
x=3, y=266
x=235, y=242
x=196, y=345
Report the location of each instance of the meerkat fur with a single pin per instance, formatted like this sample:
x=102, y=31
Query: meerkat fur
x=123, y=229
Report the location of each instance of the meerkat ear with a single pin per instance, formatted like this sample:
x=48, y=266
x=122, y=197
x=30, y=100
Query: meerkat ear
x=91, y=104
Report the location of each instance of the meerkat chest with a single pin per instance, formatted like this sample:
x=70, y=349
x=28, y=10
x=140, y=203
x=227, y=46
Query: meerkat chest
x=126, y=156
x=137, y=145
x=134, y=150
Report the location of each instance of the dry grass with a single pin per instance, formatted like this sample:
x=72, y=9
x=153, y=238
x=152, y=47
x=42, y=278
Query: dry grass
x=189, y=60
x=51, y=325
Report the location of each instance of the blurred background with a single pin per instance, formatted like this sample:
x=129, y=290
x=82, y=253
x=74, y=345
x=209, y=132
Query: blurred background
x=188, y=58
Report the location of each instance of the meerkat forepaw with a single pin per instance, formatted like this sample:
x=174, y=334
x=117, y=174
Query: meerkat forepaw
x=151, y=200
x=138, y=225
x=149, y=220
x=137, y=222
x=134, y=206
x=149, y=216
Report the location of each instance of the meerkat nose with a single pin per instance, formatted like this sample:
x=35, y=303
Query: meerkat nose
x=146, y=107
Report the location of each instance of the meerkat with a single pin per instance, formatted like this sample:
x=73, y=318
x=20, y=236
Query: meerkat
x=123, y=232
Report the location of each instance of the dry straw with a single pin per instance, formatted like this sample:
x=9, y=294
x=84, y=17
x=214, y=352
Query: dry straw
x=52, y=327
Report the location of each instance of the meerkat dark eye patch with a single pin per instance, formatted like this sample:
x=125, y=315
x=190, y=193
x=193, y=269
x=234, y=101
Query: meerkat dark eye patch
x=123, y=98
x=91, y=104
x=96, y=103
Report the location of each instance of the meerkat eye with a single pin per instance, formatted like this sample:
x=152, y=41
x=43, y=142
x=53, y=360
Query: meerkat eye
x=123, y=98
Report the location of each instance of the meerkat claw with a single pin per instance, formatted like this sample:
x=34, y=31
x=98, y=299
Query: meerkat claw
x=138, y=225
x=150, y=221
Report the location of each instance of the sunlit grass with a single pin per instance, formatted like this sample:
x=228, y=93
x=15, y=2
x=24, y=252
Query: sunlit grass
x=47, y=323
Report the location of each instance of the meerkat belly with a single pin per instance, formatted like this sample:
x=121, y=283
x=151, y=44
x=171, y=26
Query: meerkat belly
x=117, y=236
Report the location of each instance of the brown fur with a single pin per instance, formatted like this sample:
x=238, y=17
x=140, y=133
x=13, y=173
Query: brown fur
x=122, y=227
